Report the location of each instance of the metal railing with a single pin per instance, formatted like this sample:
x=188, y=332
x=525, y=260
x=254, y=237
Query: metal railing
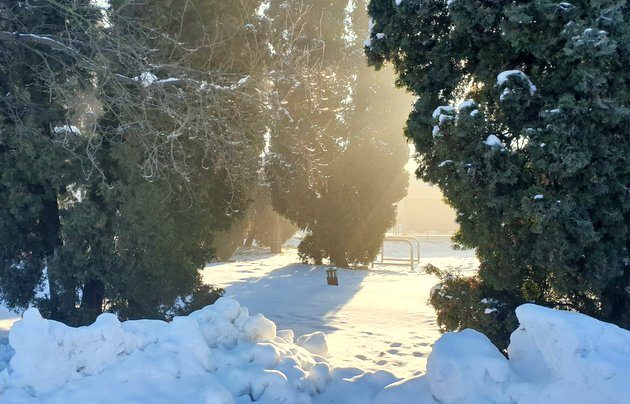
x=400, y=261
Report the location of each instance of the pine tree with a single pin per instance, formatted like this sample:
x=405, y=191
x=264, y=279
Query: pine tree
x=333, y=157
x=37, y=172
x=125, y=148
x=522, y=121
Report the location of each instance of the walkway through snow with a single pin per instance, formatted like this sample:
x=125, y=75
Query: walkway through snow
x=377, y=319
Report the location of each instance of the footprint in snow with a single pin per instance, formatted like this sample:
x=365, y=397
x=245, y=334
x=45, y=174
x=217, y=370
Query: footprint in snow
x=395, y=344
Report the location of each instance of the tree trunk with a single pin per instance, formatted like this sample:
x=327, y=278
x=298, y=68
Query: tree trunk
x=339, y=259
x=249, y=241
x=276, y=243
x=92, y=300
x=61, y=297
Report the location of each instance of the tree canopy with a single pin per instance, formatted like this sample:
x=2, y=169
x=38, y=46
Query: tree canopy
x=522, y=121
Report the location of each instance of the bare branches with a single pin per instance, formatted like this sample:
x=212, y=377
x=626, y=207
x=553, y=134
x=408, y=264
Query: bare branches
x=144, y=88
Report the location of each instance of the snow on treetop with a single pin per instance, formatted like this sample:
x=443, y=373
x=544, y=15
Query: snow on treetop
x=60, y=130
x=399, y=2
x=146, y=78
x=440, y=111
x=466, y=104
x=493, y=141
x=503, y=77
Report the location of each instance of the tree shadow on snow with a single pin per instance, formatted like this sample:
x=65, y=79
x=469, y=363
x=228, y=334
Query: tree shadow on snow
x=297, y=296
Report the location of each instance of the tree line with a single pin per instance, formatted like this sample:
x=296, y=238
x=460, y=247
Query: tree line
x=140, y=139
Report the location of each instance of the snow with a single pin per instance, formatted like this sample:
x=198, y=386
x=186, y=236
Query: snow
x=554, y=357
x=493, y=141
x=371, y=24
x=466, y=104
x=221, y=354
x=504, y=76
x=218, y=354
x=66, y=129
x=146, y=79
x=398, y=2
x=538, y=197
x=506, y=93
x=441, y=110
x=314, y=343
x=375, y=320
x=365, y=341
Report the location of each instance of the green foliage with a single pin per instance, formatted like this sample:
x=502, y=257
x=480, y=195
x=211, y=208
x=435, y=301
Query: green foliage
x=336, y=164
x=263, y=221
x=547, y=209
x=466, y=302
x=116, y=199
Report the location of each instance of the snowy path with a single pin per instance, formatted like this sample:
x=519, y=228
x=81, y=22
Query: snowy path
x=377, y=319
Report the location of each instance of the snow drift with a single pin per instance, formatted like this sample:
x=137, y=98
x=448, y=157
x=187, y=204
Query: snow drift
x=555, y=357
x=221, y=354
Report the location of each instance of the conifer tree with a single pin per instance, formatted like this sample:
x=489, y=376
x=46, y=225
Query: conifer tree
x=522, y=121
x=336, y=171
x=36, y=171
x=125, y=147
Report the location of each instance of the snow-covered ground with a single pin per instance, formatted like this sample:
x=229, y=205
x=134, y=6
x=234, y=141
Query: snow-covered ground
x=379, y=330
x=222, y=355
x=376, y=319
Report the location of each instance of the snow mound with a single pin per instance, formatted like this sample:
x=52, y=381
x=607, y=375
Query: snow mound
x=314, y=343
x=222, y=355
x=568, y=357
x=554, y=357
x=218, y=354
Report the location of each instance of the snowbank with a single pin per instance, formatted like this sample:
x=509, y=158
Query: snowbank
x=223, y=355
x=555, y=357
x=215, y=355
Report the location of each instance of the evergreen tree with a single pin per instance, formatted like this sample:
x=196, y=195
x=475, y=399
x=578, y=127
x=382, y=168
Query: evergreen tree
x=333, y=157
x=120, y=194
x=522, y=121
x=36, y=170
